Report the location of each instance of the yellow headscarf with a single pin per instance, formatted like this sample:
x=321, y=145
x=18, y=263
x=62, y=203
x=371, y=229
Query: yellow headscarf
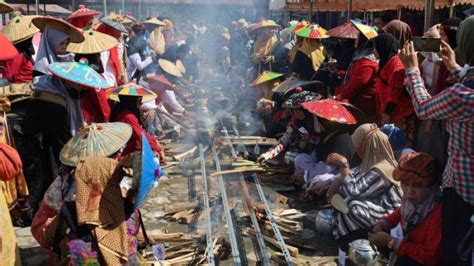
x=372, y=144
x=314, y=50
x=263, y=47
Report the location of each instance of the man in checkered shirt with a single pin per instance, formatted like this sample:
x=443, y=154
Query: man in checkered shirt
x=455, y=106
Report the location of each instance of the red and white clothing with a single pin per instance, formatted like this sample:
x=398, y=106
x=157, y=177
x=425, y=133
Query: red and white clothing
x=422, y=243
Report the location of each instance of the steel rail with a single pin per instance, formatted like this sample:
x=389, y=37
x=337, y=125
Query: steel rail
x=228, y=215
x=209, y=240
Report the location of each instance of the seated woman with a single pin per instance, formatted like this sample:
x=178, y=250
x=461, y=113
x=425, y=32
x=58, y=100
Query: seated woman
x=332, y=120
x=419, y=215
x=369, y=189
x=83, y=216
x=309, y=135
x=127, y=110
x=397, y=139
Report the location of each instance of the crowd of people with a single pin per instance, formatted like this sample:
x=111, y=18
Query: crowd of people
x=382, y=132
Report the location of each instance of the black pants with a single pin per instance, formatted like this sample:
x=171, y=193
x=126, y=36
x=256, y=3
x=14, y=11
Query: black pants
x=406, y=261
x=456, y=221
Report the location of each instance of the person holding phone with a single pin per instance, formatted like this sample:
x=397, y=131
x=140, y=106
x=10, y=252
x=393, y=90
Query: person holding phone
x=455, y=106
x=393, y=103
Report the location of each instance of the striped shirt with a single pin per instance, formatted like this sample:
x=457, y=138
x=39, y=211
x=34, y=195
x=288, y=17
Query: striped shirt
x=455, y=105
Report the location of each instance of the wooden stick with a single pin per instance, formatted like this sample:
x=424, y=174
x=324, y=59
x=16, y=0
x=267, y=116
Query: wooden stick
x=293, y=250
x=185, y=154
x=177, y=207
x=237, y=171
x=173, y=237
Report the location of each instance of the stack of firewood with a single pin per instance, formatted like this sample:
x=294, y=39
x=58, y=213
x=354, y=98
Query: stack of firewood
x=290, y=226
x=191, y=252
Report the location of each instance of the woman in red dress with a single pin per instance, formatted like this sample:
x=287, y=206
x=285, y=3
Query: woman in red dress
x=393, y=102
x=127, y=110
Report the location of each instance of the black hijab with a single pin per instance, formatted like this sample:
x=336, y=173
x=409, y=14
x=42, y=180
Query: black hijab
x=450, y=27
x=26, y=48
x=126, y=103
x=387, y=46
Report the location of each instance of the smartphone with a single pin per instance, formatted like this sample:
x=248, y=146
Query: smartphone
x=431, y=45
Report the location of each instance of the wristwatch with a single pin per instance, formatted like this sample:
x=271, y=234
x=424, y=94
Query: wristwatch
x=391, y=244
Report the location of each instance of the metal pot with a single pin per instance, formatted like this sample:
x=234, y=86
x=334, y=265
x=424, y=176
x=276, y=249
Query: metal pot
x=324, y=222
x=361, y=253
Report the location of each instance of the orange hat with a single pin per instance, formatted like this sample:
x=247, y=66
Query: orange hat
x=417, y=167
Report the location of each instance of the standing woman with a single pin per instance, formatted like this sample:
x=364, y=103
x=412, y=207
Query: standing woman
x=138, y=59
x=20, y=32
x=267, y=51
x=306, y=58
x=358, y=82
x=129, y=98
x=55, y=38
x=94, y=105
x=399, y=29
x=393, y=102
x=113, y=60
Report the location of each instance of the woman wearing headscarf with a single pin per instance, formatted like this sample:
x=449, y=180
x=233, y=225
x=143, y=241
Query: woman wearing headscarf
x=454, y=106
x=113, y=60
x=307, y=57
x=397, y=139
x=393, y=103
x=432, y=136
x=83, y=215
x=448, y=31
x=369, y=190
x=127, y=110
x=399, y=29
x=419, y=214
x=308, y=134
x=267, y=52
x=55, y=114
x=20, y=32
x=358, y=82
x=138, y=59
x=53, y=44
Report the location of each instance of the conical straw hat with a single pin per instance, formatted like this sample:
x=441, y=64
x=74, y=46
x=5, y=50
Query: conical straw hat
x=154, y=22
x=19, y=29
x=7, y=51
x=44, y=22
x=95, y=42
x=132, y=89
x=114, y=23
x=79, y=73
x=5, y=8
x=180, y=66
x=170, y=68
x=83, y=12
x=95, y=140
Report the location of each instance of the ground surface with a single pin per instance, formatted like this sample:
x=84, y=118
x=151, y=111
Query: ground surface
x=180, y=185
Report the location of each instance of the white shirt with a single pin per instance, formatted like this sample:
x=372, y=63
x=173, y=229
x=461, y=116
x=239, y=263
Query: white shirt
x=134, y=63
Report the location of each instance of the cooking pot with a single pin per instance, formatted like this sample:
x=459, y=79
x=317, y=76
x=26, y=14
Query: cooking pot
x=324, y=221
